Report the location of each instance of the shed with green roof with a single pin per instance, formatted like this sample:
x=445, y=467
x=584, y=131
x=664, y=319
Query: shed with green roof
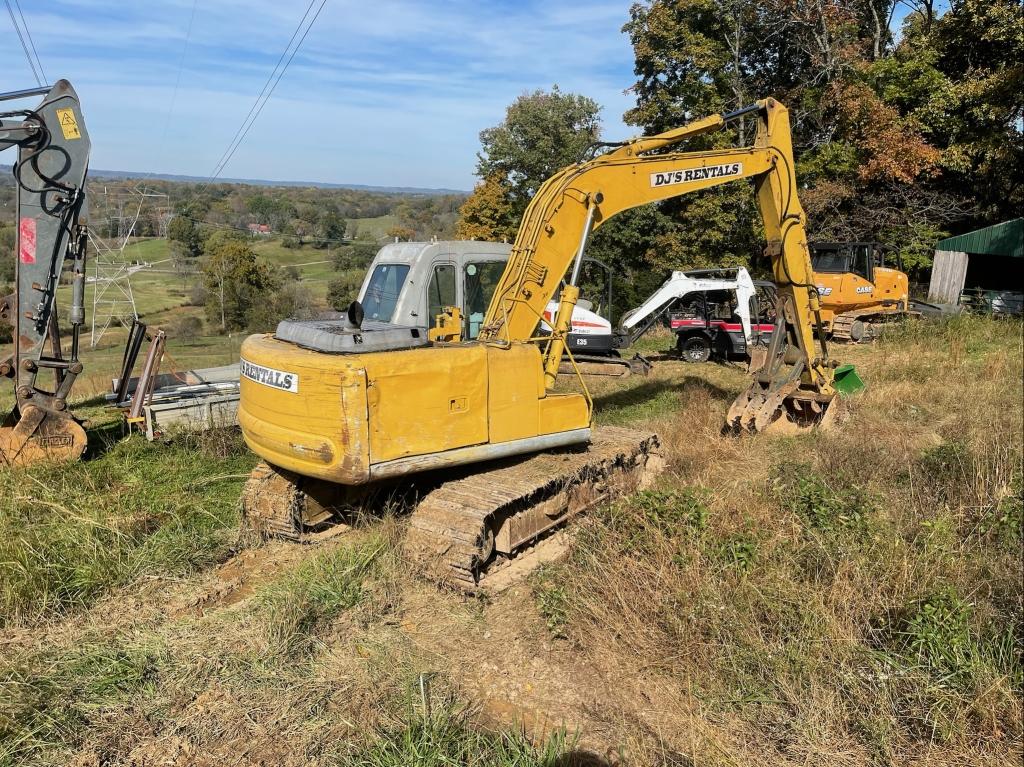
x=981, y=265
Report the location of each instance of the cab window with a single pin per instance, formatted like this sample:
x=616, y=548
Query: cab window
x=440, y=291
x=480, y=280
x=863, y=260
x=383, y=290
x=721, y=304
x=831, y=261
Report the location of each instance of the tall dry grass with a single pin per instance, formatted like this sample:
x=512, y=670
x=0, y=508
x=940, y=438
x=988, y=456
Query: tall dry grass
x=846, y=597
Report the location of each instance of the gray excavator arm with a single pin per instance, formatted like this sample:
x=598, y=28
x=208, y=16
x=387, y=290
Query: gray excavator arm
x=50, y=176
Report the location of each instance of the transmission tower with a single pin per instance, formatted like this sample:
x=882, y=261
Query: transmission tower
x=113, y=302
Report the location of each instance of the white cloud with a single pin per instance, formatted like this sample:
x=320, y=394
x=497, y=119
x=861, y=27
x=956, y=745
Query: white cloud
x=389, y=92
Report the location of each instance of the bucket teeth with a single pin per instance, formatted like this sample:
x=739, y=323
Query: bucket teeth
x=756, y=409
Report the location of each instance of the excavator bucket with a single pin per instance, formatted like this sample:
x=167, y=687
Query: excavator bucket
x=785, y=386
x=34, y=435
x=761, y=406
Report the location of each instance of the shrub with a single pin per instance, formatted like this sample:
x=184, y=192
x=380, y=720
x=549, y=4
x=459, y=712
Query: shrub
x=344, y=289
x=187, y=328
x=819, y=505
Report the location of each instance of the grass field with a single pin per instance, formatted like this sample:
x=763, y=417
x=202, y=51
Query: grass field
x=849, y=597
x=162, y=298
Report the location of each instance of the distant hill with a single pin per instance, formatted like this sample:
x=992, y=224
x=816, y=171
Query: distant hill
x=95, y=173
x=121, y=174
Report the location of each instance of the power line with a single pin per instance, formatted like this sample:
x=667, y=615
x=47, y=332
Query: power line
x=222, y=160
x=24, y=47
x=181, y=64
x=257, y=108
x=31, y=42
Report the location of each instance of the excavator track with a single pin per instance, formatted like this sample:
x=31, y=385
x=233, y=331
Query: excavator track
x=276, y=504
x=469, y=527
x=856, y=327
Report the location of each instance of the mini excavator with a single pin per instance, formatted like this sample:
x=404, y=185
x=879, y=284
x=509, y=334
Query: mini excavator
x=338, y=406
x=50, y=172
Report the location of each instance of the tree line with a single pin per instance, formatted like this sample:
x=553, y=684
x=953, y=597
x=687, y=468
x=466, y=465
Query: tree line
x=902, y=133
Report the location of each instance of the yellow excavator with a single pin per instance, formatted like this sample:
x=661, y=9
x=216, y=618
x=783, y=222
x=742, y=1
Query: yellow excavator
x=861, y=286
x=338, y=407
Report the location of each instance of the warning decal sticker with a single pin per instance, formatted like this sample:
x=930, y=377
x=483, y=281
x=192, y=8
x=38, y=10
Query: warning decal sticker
x=27, y=241
x=68, y=124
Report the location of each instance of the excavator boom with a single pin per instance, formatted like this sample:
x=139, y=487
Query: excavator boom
x=580, y=198
x=50, y=173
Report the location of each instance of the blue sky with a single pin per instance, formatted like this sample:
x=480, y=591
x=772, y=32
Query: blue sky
x=389, y=92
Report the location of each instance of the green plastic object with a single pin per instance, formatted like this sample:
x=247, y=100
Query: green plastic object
x=846, y=380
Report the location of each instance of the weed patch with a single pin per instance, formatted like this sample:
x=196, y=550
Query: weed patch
x=936, y=634
x=49, y=699
x=68, y=534
x=983, y=491
x=738, y=552
x=821, y=507
x=298, y=605
x=552, y=600
x=448, y=738
x=948, y=670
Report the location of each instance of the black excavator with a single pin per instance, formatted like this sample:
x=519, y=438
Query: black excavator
x=50, y=175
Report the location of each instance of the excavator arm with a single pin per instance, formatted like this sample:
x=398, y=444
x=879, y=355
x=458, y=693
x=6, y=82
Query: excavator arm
x=795, y=374
x=50, y=173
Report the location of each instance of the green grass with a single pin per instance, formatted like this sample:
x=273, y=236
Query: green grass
x=325, y=585
x=51, y=697
x=69, y=534
x=373, y=228
x=150, y=249
x=448, y=739
x=857, y=589
x=778, y=599
x=822, y=507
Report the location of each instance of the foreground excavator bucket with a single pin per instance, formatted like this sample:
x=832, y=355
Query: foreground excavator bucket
x=36, y=435
x=759, y=407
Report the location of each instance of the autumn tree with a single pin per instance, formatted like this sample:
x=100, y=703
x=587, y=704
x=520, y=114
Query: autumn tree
x=488, y=214
x=401, y=233
x=542, y=133
x=887, y=127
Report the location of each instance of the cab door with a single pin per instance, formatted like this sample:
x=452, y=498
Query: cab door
x=442, y=289
x=858, y=287
x=479, y=276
